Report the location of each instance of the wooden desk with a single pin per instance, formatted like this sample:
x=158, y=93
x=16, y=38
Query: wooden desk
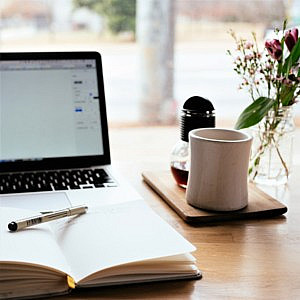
x=253, y=259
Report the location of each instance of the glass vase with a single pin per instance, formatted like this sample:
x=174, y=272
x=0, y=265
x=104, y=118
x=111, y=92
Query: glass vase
x=272, y=148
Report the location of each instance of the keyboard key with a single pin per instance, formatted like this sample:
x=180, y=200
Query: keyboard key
x=99, y=185
x=54, y=180
x=60, y=188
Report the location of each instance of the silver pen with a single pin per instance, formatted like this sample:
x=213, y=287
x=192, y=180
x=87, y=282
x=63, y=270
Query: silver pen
x=23, y=223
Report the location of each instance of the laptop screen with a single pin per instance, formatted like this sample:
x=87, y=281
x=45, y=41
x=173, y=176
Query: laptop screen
x=50, y=108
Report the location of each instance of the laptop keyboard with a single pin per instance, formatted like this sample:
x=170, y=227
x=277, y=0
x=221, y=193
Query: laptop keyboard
x=41, y=181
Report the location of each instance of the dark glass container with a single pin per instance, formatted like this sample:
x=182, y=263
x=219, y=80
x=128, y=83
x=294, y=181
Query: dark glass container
x=197, y=112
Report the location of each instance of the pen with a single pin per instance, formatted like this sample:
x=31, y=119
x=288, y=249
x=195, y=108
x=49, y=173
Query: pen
x=23, y=223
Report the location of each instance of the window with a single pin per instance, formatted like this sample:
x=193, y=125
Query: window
x=199, y=65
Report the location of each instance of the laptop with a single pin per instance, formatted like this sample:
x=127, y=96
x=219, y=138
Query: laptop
x=54, y=144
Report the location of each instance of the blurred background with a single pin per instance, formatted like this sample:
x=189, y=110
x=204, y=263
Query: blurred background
x=155, y=53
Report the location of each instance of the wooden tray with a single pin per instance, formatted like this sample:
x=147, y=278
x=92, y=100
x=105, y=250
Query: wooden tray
x=260, y=204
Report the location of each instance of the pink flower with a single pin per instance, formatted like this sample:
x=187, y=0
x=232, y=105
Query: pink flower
x=287, y=82
x=269, y=67
x=248, y=56
x=291, y=38
x=248, y=45
x=274, y=48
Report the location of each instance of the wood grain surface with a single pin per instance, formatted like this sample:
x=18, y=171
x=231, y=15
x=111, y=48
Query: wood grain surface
x=241, y=259
x=260, y=204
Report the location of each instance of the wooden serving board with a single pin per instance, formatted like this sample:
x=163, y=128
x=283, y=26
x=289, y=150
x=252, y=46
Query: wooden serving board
x=260, y=204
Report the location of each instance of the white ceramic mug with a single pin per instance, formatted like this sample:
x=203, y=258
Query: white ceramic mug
x=218, y=169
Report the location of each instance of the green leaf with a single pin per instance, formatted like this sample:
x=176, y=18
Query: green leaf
x=254, y=112
x=287, y=94
x=292, y=58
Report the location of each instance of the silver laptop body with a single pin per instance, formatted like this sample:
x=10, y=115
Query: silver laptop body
x=54, y=145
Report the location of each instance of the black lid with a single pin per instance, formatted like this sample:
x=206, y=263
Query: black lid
x=199, y=105
x=197, y=112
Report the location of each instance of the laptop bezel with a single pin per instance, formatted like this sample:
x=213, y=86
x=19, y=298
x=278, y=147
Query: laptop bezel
x=64, y=162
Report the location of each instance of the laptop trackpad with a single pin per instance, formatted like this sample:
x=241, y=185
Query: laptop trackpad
x=37, y=202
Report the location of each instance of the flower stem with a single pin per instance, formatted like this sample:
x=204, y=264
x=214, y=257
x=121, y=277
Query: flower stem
x=281, y=159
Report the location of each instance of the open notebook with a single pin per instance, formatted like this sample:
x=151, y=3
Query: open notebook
x=114, y=244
